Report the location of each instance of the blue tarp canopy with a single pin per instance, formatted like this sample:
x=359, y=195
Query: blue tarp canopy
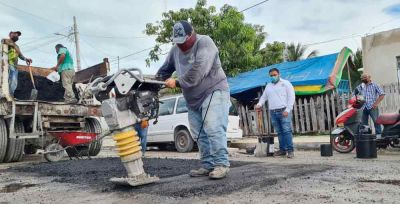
x=313, y=71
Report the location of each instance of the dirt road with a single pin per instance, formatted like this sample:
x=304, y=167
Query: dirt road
x=308, y=178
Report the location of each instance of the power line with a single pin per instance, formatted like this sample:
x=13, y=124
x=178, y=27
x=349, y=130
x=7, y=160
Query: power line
x=95, y=48
x=381, y=24
x=353, y=35
x=135, y=53
x=29, y=13
x=43, y=37
x=45, y=43
x=39, y=41
x=254, y=6
x=115, y=37
x=335, y=39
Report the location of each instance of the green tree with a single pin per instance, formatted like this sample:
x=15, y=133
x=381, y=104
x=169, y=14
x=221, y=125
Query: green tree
x=296, y=52
x=273, y=53
x=238, y=42
x=357, y=59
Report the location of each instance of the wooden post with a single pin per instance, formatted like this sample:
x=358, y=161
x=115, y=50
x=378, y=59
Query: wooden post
x=328, y=112
x=296, y=117
x=301, y=115
x=313, y=115
x=321, y=113
x=248, y=115
x=246, y=119
x=307, y=115
x=267, y=120
x=344, y=102
x=333, y=106
x=242, y=119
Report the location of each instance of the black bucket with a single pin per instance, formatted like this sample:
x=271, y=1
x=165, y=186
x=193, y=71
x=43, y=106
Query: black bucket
x=326, y=150
x=366, y=146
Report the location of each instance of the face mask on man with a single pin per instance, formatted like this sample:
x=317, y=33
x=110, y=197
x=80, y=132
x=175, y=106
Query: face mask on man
x=15, y=38
x=274, y=79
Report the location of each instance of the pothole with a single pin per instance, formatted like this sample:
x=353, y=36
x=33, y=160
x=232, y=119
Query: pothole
x=14, y=187
x=391, y=182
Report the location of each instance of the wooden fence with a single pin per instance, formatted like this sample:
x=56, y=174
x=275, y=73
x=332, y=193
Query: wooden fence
x=313, y=114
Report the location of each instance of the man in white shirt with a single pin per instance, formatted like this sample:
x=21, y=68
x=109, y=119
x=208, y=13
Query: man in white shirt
x=280, y=95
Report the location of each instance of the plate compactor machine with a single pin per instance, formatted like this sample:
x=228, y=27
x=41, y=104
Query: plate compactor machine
x=135, y=101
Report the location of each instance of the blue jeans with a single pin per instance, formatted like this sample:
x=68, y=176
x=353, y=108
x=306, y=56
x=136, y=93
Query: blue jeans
x=142, y=133
x=12, y=79
x=283, y=126
x=212, y=141
x=374, y=113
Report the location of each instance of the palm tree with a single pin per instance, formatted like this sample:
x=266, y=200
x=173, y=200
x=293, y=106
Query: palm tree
x=296, y=52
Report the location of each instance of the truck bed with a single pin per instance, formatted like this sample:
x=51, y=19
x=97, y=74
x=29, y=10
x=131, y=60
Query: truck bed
x=45, y=108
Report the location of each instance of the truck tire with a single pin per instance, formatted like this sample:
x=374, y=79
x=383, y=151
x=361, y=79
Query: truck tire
x=183, y=141
x=93, y=125
x=15, y=147
x=3, y=139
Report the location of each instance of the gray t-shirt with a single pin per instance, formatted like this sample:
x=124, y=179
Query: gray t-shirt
x=199, y=70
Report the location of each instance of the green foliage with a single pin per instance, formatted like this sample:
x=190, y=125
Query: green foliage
x=273, y=53
x=296, y=52
x=357, y=58
x=238, y=42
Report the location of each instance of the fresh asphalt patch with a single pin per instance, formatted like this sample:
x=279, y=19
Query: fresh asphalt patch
x=174, y=181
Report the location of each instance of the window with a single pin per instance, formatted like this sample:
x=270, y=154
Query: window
x=181, y=106
x=166, y=107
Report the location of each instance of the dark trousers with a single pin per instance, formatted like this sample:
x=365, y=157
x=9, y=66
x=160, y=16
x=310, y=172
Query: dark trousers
x=374, y=113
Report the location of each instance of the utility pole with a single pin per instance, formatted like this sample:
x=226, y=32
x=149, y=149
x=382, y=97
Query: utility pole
x=77, y=48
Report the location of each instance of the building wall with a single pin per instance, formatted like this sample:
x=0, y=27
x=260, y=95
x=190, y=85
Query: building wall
x=379, y=55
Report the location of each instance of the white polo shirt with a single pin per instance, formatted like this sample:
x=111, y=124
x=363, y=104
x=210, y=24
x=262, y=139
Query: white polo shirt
x=279, y=95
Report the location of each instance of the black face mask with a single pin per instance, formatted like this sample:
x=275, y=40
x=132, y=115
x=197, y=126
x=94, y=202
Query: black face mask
x=15, y=38
x=365, y=81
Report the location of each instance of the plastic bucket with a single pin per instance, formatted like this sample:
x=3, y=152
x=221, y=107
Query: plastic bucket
x=366, y=146
x=326, y=150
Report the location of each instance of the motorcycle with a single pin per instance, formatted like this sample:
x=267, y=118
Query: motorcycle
x=348, y=125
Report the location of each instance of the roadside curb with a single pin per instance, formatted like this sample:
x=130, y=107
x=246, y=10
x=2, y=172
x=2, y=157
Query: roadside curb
x=307, y=146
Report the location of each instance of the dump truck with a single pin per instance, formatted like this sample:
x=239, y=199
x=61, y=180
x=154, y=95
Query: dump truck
x=26, y=125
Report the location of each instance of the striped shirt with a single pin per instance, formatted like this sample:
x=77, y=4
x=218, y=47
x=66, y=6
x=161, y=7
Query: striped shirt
x=371, y=92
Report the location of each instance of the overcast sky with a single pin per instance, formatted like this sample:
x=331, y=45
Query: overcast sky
x=115, y=28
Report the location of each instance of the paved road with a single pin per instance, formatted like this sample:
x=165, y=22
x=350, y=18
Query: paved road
x=308, y=178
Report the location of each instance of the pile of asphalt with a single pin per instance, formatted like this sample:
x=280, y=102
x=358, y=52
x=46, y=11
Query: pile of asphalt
x=47, y=90
x=175, y=182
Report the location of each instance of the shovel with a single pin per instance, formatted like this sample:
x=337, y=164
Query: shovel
x=34, y=91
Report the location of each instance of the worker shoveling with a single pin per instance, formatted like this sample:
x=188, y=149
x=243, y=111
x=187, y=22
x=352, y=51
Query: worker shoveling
x=136, y=101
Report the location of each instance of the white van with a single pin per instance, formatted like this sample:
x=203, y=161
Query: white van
x=173, y=126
